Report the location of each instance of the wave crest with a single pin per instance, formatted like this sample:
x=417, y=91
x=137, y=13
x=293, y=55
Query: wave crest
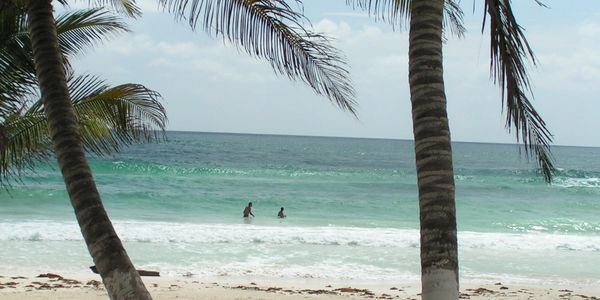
x=179, y=233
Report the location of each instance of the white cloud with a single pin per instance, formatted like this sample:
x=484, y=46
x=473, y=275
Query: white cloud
x=333, y=29
x=368, y=32
x=162, y=62
x=214, y=62
x=571, y=56
x=392, y=60
x=590, y=28
x=129, y=44
x=178, y=49
x=347, y=14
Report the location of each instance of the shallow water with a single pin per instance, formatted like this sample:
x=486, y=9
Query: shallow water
x=351, y=206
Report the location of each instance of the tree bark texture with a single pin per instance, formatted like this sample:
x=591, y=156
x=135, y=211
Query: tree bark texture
x=433, y=152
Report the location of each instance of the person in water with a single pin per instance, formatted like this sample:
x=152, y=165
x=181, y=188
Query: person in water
x=248, y=210
x=281, y=214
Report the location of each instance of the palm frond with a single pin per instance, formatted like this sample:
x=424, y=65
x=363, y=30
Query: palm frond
x=272, y=30
x=453, y=18
x=510, y=52
x=131, y=112
x=24, y=140
x=542, y=4
x=109, y=118
x=6, y=106
x=16, y=80
x=127, y=7
x=397, y=13
x=78, y=30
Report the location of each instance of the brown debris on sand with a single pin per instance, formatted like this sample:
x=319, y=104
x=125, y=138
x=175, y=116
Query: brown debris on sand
x=16, y=277
x=349, y=291
x=10, y=284
x=482, y=291
x=362, y=292
x=50, y=275
x=54, y=281
x=95, y=283
x=243, y=287
x=284, y=291
x=318, y=292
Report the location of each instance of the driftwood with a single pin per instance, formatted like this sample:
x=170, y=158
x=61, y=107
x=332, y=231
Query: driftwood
x=141, y=272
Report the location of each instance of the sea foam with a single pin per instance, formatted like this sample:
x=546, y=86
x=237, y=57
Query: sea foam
x=171, y=232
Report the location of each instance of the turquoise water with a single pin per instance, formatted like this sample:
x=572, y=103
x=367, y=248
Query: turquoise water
x=351, y=205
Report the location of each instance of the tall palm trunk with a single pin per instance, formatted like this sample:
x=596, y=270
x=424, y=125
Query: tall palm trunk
x=439, y=262
x=118, y=274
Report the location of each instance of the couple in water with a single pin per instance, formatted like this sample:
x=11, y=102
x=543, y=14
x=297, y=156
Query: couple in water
x=248, y=212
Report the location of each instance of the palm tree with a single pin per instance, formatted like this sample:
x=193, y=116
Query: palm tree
x=433, y=149
x=109, y=117
x=118, y=273
x=270, y=29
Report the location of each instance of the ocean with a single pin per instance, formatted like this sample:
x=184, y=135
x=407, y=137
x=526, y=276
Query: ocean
x=351, y=204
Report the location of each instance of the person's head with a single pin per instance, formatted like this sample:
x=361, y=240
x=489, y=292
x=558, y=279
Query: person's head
x=249, y=203
x=282, y=209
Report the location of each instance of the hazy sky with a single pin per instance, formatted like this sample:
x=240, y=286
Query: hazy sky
x=208, y=85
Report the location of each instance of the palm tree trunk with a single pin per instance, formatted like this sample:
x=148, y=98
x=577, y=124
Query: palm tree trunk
x=439, y=261
x=118, y=274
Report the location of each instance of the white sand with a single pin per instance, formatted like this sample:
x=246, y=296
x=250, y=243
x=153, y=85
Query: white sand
x=90, y=287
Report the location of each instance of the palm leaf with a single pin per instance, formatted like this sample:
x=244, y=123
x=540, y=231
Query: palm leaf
x=272, y=30
x=24, y=141
x=131, y=112
x=77, y=31
x=81, y=29
x=109, y=118
x=453, y=18
x=397, y=13
x=509, y=53
x=15, y=79
x=127, y=7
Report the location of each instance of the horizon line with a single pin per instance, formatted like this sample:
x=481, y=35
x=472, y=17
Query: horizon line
x=361, y=137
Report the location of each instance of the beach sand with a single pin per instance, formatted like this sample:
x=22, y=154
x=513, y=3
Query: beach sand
x=58, y=286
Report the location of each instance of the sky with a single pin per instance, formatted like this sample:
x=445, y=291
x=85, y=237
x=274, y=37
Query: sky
x=209, y=85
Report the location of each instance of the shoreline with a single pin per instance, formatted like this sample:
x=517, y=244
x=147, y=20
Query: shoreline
x=89, y=286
